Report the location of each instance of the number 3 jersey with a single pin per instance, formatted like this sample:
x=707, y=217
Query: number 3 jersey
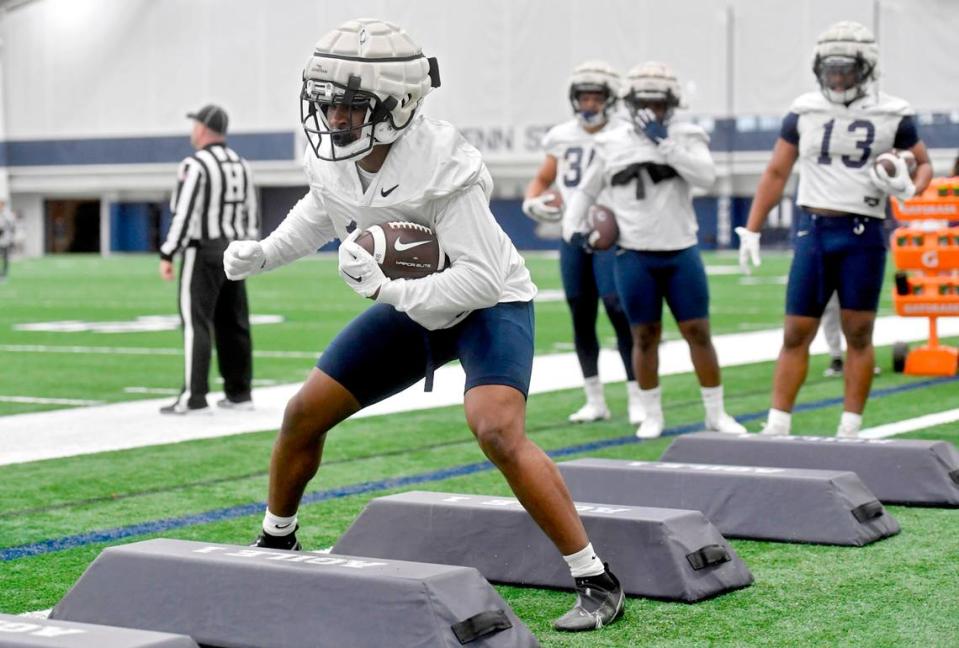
x=838, y=144
x=572, y=146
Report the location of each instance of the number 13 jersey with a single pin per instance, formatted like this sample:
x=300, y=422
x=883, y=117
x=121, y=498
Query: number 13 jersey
x=839, y=143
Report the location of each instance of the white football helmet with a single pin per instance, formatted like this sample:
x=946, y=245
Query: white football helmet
x=845, y=61
x=652, y=83
x=594, y=76
x=363, y=65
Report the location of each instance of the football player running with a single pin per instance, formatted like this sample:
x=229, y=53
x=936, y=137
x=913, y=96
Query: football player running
x=373, y=158
x=587, y=274
x=648, y=167
x=836, y=135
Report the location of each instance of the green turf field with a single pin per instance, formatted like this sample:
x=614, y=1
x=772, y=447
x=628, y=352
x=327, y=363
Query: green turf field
x=901, y=591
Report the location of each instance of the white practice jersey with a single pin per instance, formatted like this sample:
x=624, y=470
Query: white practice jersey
x=434, y=177
x=838, y=144
x=649, y=187
x=572, y=146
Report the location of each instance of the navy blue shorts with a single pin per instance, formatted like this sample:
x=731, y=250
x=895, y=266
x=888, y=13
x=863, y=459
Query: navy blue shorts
x=383, y=351
x=844, y=254
x=645, y=278
x=586, y=274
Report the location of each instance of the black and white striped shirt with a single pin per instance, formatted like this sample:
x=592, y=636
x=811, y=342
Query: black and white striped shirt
x=214, y=199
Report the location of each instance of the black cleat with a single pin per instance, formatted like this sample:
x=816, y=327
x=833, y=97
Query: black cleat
x=834, y=369
x=599, y=602
x=182, y=408
x=287, y=542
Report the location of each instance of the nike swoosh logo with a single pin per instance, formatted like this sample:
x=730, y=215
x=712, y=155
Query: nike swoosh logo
x=387, y=192
x=400, y=246
x=803, y=233
x=356, y=279
x=283, y=526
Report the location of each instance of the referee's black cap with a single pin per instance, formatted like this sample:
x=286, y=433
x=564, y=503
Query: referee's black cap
x=211, y=116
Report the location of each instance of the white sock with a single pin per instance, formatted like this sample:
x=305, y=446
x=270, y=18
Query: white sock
x=652, y=402
x=632, y=390
x=584, y=563
x=779, y=420
x=712, y=402
x=850, y=421
x=279, y=526
x=594, y=391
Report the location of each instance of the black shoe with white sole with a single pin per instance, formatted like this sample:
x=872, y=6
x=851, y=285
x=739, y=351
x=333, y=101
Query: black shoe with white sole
x=599, y=602
x=287, y=542
x=180, y=408
x=241, y=406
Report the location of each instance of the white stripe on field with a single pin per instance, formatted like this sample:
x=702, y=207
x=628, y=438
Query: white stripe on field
x=910, y=425
x=112, y=350
x=38, y=400
x=68, y=432
x=151, y=390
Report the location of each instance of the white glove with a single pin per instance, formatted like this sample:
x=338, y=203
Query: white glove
x=242, y=259
x=359, y=269
x=900, y=186
x=748, y=249
x=537, y=209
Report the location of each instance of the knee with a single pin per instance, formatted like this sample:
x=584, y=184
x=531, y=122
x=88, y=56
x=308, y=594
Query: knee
x=646, y=338
x=859, y=337
x=697, y=335
x=299, y=426
x=497, y=438
x=797, y=337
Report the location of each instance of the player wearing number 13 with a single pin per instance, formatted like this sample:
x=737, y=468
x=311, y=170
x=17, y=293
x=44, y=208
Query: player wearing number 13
x=836, y=135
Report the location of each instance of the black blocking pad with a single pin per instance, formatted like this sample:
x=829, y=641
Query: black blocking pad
x=655, y=552
x=241, y=597
x=789, y=504
x=897, y=471
x=24, y=632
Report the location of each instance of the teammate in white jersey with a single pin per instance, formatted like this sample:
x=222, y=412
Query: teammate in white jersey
x=373, y=159
x=836, y=135
x=587, y=274
x=648, y=167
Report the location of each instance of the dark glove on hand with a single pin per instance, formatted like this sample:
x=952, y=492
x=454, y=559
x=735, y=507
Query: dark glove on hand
x=651, y=127
x=581, y=240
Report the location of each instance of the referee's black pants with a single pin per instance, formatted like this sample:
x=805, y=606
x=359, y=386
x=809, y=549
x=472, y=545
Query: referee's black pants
x=213, y=308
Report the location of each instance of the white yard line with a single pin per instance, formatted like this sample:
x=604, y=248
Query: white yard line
x=910, y=425
x=38, y=400
x=68, y=432
x=112, y=350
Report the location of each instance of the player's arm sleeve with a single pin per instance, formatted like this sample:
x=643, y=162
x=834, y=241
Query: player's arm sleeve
x=586, y=193
x=306, y=228
x=789, y=130
x=187, y=192
x=252, y=206
x=691, y=158
x=907, y=135
x=479, y=256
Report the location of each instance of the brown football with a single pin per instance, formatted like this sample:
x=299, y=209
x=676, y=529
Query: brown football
x=887, y=162
x=604, y=232
x=404, y=250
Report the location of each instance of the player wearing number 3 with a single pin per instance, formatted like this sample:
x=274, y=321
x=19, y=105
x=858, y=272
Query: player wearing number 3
x=587, y=274
x=836, y=134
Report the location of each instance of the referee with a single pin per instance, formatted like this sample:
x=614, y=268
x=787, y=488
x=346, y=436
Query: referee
x=214, y=203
